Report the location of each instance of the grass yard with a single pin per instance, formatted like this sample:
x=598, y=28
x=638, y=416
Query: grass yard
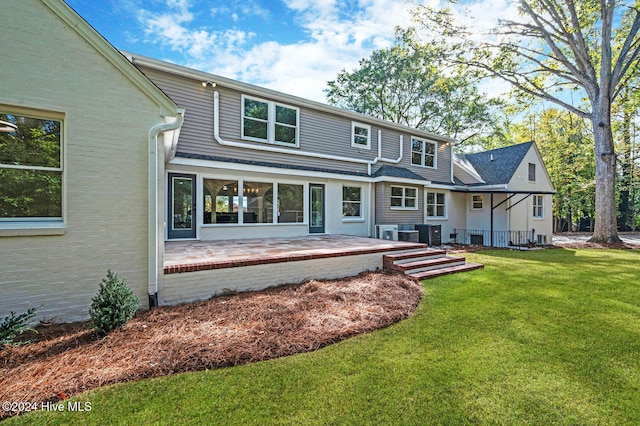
x=538, y=337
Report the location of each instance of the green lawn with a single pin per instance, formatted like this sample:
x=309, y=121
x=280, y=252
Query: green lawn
x=540, y=337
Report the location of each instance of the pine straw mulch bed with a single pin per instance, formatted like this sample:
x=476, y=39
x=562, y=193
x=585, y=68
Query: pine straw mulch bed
x=66, y=359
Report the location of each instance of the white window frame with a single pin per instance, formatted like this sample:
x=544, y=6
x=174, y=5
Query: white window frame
x=360, y=202
x=423, y=153
x=538, y=206
x=367, y=127
x=404, y=198
x=31, y=226
x=531, y=167
x=271, y=122
x=474, y=201
x=435, y=205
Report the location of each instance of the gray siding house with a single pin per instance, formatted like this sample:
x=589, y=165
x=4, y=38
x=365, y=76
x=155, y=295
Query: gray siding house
x=135, y=153
x=262, y=163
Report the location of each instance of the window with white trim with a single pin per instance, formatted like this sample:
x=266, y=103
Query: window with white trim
x=351, y=202
x=271, y=122
x=403, y=197
x=532, y=172
x=477, y=202
x=436, y=205
x=423, y=153
x=360, y=135
x=30, y=168
x=538, y=206
x=230, y=201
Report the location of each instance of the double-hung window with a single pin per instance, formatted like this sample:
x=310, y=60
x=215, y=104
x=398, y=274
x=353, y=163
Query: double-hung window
x=351, y=202
x=403, y=197
x=538, y=206
x=423, y=153
x=476, y=202
x=436, y=205
x=30, y=168
x=360, y=135
x=271, y=122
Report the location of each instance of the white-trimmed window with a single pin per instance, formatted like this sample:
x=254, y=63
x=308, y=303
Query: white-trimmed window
x=30, y=167
x=360, y=135
x=423, y=153
x=538, y=206
x=352, y=202
x=477, y=202
x=436, y=205
x=231, y=201
x=271, y=122
x=403, y=197
x=532, y=172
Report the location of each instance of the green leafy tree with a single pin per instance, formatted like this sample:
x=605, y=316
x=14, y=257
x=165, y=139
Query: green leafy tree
x=566, y=146
x=555, y=47
x=409, y=84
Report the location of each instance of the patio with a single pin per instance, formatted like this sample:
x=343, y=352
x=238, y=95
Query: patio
x=196, y=270
x=190, y=256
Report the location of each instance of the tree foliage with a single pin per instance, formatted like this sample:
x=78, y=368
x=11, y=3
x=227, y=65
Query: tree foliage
x=552, y=47
x=410, y=84
x=566, y=145
x=30, y=185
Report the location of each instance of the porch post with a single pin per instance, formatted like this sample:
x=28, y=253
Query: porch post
x=491, y=230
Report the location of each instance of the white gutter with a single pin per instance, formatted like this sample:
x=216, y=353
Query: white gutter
x=387, y=160
x=218, y=138
x=154, y=216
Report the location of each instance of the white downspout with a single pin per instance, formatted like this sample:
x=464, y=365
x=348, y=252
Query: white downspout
x=154, y=216
x=369, y=163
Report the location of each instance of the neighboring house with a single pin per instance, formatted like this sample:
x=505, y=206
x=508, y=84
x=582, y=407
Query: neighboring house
x=130, y=170
x=74, y=201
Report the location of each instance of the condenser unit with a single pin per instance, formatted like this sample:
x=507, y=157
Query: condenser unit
x=387, y=232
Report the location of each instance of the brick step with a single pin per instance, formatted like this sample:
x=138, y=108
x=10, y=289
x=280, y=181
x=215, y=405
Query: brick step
x=394, y=257
x=421, y=264
x=445, y=271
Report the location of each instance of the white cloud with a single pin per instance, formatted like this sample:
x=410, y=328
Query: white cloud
x=338, y=33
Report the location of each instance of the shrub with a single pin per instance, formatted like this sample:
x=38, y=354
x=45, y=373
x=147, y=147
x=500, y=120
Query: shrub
x=12, y=325
x=113, y=306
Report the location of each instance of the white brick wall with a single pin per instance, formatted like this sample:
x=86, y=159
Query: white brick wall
x=47, y=66
x=190, y=286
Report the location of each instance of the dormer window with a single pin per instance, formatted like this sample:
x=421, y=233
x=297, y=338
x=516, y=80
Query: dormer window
x=423, y=153
x=360, y=135
x=271, y=122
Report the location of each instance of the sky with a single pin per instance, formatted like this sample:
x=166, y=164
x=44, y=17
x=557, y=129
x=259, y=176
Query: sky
x=293, y=46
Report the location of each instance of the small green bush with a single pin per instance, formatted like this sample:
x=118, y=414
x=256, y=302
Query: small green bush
x=113, y=306
x=12, y=325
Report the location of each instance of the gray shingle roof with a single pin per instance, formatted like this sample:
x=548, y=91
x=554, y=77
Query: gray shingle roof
x=498, y=166
x=397, y=172
x=267, y=164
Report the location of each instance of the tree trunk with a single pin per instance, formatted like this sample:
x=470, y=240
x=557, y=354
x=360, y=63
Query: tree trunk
x=605, y=230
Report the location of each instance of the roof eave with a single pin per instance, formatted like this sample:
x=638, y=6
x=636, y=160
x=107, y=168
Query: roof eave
x=273, y=94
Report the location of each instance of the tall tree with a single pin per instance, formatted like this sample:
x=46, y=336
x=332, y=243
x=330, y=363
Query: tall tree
x=409, y=85
x=559, y=45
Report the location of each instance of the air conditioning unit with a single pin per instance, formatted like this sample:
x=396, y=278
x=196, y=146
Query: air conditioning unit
x=387, y=232
x=541, y=239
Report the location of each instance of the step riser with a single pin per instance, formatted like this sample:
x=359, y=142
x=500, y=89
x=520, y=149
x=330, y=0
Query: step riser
x=419, y=259
x=427, y=263
x=432, y=268
x=444, y=271
x=390, y=260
